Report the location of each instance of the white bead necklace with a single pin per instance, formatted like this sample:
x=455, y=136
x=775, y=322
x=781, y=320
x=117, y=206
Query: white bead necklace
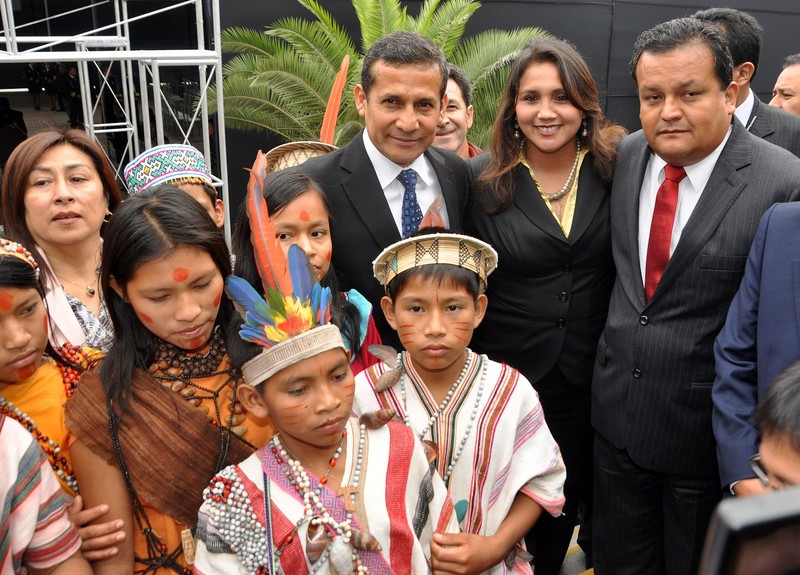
x=314, y=511
x=567, y=185
x=471, y=357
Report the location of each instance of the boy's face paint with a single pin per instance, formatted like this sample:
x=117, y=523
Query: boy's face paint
x=23, y=333
x=435, y=325
x=177, y=297
x=310, y=402
x=304, y=221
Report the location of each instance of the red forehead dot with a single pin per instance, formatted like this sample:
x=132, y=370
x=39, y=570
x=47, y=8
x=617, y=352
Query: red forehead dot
x=180, y=274
x=146, y=318
x=6, y=301
x=304, y=217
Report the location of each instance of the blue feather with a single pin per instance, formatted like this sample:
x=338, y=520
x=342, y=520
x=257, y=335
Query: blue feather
x=301, y=272
x=243, y=295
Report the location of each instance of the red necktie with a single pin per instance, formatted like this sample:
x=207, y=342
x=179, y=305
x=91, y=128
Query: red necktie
x=661, y=229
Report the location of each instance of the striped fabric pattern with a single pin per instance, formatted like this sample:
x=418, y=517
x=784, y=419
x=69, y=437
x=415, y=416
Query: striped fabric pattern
x=34, y=528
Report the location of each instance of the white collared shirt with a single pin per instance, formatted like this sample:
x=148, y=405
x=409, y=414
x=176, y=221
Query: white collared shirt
x=689, y=192
x=428, y=188
x=743, y=112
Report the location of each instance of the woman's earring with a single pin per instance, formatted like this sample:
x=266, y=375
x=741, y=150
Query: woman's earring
x=107, y=218
x=585, y=132
x=517, y=134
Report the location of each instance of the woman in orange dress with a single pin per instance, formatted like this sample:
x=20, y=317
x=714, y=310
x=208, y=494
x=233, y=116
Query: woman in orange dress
x=161, y=414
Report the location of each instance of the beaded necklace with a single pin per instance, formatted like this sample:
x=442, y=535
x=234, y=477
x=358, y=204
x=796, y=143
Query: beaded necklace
x=567, y=185
x=467, y=369
x=70, y=377
x=57, y=460
x=169, y=361
x=341, y=534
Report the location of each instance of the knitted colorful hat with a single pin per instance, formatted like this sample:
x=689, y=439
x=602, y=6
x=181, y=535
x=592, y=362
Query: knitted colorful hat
x=292, y=320
x=430, y=249
x=173, y=163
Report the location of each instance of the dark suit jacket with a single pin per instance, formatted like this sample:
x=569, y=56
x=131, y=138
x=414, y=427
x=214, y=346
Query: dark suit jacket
x=760, y=338
x=655, y=362
x=548, y=298
x=361, y=222
x=775, y=126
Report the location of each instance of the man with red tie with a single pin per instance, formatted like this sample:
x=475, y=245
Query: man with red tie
x=688, y=193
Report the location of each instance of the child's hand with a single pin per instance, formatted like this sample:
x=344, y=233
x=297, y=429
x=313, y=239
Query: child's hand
x=100, y=540
x=463, y=553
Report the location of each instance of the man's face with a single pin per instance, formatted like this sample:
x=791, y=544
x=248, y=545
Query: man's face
x=402, y=110
x=451, y=132
x=685, y=114
x=786, y=93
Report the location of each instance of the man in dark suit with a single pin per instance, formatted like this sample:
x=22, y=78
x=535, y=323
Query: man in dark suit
x=760, y=339
x=401, y=98
x=743, y=34
x=688, y=193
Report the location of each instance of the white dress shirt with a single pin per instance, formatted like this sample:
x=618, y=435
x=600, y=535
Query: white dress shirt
x=428, y=188
x=743, y=112
x=689, y=192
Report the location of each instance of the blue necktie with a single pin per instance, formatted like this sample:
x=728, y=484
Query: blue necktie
x=412, y=214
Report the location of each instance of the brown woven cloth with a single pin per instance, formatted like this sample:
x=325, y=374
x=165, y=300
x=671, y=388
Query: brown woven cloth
x=169, y=447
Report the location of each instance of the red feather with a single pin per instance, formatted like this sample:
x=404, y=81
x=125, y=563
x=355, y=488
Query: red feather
x=328, y=130
x=270, y=259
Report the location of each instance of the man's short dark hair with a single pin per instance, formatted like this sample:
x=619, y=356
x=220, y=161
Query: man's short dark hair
x=741, y=30
x=402, y=49
x=459, y=77
x=791, y=60
x=778, y=412
x=683, y=32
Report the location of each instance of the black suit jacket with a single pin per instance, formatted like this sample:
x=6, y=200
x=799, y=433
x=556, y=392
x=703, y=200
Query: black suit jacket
x=655, y=363
x=548, y=298
x=775, y=126
x=361, y=222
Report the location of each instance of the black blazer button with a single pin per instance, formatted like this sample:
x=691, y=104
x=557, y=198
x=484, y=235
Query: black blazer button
x=644, y=320
x=567, y=268
x=561, y=323
x=637, y=373
x=563, y=296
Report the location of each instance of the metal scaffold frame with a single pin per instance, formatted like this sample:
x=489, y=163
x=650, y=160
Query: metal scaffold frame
x=101, y=46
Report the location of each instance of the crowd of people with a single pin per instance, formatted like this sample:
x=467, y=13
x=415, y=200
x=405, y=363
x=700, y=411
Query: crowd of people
x=347, y=390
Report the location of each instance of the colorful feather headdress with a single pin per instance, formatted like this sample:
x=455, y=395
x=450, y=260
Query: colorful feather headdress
x=292, y=320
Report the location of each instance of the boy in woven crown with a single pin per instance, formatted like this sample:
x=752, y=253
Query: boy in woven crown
x=324, y=495
x=483, y=419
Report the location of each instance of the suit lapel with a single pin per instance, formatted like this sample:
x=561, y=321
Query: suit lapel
x=632, y=189
x=528, y=200
x=590, y=197
x=759, y=123
x=362, y=188
x=448, y=186
x=723, y=188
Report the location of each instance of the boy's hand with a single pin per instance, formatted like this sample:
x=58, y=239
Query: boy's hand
x=463, y=553
x=98, y=541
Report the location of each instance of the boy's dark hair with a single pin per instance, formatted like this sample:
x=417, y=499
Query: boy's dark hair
x=778, y=412
x=439, y=274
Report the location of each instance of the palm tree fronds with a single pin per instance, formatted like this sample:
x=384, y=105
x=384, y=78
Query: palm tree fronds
x=249, y=41
x=378, y=18
x=309, y=39
x=448, y=23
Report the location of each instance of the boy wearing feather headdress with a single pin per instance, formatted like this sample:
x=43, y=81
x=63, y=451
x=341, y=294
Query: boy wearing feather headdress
x=323, y=496
x=482, y=419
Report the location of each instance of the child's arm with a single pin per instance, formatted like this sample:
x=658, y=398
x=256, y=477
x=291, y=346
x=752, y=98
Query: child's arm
x=102, y=483
x=98, y=540
x=74, y=565
x=466, y=553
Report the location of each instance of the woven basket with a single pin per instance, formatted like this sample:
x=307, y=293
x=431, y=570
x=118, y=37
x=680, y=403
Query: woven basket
x=295, y=153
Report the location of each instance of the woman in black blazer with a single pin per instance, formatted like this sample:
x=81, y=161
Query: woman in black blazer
x=541, y=199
